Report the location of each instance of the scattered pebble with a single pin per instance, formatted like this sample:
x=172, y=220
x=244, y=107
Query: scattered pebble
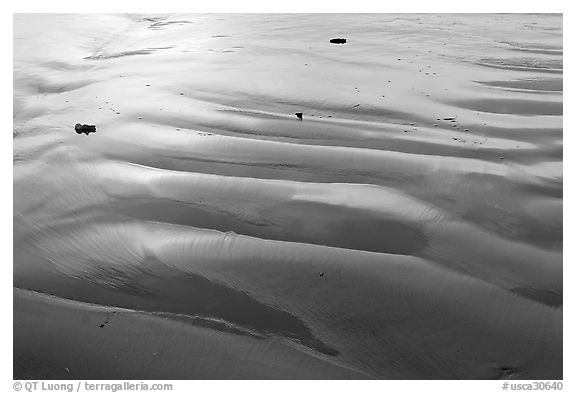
x=84, y=128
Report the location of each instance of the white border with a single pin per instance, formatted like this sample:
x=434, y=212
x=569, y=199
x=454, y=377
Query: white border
x=299, y=6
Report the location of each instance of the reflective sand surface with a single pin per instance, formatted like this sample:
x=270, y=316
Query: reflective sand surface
x=409, y=226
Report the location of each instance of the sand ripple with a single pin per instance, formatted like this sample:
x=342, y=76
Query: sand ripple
x=410, y=226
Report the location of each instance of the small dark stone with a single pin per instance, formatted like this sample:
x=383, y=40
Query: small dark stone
x=321, y=274
x=299, y=115
x=338, y=41
x=449, y=118
x=84, y=128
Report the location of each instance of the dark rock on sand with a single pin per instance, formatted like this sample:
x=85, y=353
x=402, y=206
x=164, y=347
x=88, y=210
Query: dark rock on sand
x=84, y=128
x=338, y=41
x=299, y=115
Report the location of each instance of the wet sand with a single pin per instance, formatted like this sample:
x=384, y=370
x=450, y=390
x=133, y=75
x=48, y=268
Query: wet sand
x=409, y=226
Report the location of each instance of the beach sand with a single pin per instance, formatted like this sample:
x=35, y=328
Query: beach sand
x=409, y=226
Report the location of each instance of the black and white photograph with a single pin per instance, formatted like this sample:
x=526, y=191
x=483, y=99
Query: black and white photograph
x=287, y=196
